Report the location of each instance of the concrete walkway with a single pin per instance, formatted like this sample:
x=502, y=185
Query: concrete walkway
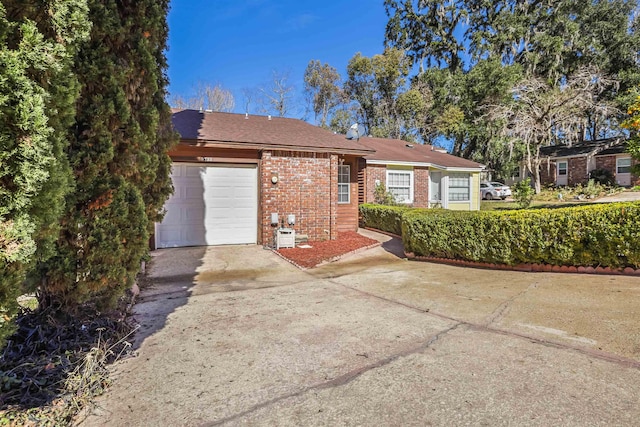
x=626, y=196
x=237, y=336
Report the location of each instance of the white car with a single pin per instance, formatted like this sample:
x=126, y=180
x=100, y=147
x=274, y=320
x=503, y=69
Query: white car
x=494, y=190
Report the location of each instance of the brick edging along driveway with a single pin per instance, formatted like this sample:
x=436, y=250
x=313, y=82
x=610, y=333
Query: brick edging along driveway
x=529, y=267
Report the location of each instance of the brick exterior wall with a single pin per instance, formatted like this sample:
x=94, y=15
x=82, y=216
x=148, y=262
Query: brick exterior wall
x=609, y=162
x=606, y=162
x=547, y=173
x=307, y=186
x=577, y=171
x=374, y=172
x=420, y=184
x=421, y=187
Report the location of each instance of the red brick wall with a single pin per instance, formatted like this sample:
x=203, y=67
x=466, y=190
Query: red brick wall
x=421, y=187
x=606, y=162
x=577, y=171
x=374, y=172
x=307, y=186
x=609, y=162
x=420, y=184
x=547, y=173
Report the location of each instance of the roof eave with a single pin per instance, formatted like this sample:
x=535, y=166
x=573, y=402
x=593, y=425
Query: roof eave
x=424, y=164
x=263, y=146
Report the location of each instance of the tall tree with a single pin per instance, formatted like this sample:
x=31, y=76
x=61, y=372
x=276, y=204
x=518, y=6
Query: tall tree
x=632, y=123
x=206, y=97
x=548, y=40
x=458, y=111
x=375, y=84
x=322, y=86
x=37, y=95
x=426, y=30
x=118, y=153
x=542, y=114
x=276, y=97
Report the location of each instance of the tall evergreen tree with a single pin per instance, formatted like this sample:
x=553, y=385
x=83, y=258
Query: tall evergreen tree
x=118, y=153
x=38, y=90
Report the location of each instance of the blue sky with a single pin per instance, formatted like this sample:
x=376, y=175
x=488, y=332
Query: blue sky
x=239, y=43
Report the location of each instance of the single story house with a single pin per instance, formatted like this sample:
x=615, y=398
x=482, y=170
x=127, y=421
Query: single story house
x=571, y=165
x=421, y=175
x=617, y=160
x=238, y=177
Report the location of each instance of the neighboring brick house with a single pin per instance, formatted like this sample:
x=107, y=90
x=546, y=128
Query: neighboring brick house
x=620, y=162
x=571, y=165
x=420, y=175
x=232, y=172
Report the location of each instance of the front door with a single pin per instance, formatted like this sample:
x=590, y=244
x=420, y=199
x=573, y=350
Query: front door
x=623, y=171
x=562, y=172
x=435, y=189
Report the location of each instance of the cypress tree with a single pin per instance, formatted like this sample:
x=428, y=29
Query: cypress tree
x=37, y=105
x=118, y=153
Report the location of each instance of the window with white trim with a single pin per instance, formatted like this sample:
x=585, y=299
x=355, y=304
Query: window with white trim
x=400, y=185
x=623, y=165
x=562, y=168
x=344, y=179
x=459, y=187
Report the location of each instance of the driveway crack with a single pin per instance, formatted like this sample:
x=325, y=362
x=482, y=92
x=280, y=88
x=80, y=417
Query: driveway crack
x=343, y=379
x=500, y=312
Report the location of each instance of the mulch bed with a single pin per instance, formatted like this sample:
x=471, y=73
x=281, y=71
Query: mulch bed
x=327, y=250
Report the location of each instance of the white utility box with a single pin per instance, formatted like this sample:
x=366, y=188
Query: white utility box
x=285, y=238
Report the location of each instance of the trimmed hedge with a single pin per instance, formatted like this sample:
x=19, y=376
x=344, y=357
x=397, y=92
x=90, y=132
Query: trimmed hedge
x=606, y=235
x=383, y=217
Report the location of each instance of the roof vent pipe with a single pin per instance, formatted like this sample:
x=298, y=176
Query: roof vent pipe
x=246, y=116
x=269, y=116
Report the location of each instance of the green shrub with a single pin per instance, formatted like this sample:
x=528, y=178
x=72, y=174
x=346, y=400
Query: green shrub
x=596, y=235
x=385, y=218
x=383, y=197
x=523, y=193
x=602, y=176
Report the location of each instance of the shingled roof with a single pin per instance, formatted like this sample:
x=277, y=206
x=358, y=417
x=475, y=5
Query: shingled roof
x=398, y=151
x=580, y=149
x=250, y=131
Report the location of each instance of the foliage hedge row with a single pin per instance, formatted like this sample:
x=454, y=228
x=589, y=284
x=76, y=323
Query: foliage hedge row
x=605, y=235
x=383, y=217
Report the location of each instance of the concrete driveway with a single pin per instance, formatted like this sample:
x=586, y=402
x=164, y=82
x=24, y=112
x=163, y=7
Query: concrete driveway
x=237, y=336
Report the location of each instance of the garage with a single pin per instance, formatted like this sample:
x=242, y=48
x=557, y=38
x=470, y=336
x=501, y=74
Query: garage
x=211, y=205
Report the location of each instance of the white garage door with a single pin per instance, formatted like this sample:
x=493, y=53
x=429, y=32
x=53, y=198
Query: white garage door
x=211, y=205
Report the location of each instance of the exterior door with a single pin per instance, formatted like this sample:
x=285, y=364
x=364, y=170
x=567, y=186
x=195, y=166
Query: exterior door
x=435, y=188
x=211, y=205
x=562, y=172
x=623, y=171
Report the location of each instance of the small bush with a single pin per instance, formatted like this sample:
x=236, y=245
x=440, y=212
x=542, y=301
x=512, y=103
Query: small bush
x=383, y=197
x=523, y=193
x=602, y=177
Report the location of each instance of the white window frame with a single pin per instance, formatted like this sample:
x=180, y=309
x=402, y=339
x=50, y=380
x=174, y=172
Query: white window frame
x=344, y=186
x=618, y=166
x=453, y=176
x=566, y=167
x=408, y=172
